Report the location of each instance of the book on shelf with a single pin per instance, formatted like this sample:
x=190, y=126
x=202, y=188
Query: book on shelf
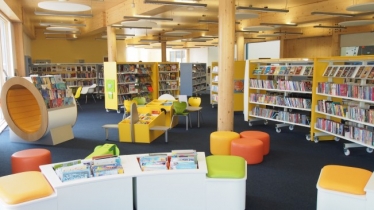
x=371, y=74
x=292, y=70
x=267, y=70
x=351, y=71
x=173, y=85
x=282, y=70
x=277, y=70
x=345, y=71
x=257, y=71
x=340, y=71
x=365, y=72
x=333, y=71
x=298, y=70
x=327, y=71
x=359, y=72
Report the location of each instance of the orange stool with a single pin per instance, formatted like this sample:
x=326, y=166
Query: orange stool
x=30, y=160
x=264, y=137
x=249, y=149
x=220, y=142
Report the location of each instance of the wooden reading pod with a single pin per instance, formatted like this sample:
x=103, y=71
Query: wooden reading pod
x=28, y=117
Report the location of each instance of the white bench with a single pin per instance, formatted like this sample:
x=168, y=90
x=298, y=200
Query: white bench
x=161, y=128
x=108, y=126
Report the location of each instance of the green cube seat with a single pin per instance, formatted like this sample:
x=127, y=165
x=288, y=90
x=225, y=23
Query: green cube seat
x=226, y=166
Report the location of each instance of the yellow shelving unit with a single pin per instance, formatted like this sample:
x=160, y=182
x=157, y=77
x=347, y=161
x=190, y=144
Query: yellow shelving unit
x=214, y=84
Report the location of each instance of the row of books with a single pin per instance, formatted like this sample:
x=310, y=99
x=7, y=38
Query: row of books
x=354, y=132
x=79, y=83
x=56, y=68
x=305, y=85
x=364, y=92
x=199, y=74
x=179, y=159
x=133, y=68
x=350, y=71
x=127, y=78
x=168, y=67
x=128, y=88
x=297, y=70
x=200, y=87
x=167, y=76
x=214, y=88
x=214, y=97
x=76, y=76
x=171, y=85
x=198, y=81
x=281, y=115
x=83, y=169
x=281, y=100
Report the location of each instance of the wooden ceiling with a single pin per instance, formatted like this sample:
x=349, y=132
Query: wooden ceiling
x=110, y=12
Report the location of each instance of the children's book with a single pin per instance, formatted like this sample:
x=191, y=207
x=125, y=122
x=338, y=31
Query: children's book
x=277, y=70
x=345, y=71
x=365, y=72
x=327, y=71
x=282, y=70
x=351, y=71
x=267, y=70
x=340, y=71
x=333, y=71
x=298, y=70
x=292, y=70
x=359, y=72
x=371, y=74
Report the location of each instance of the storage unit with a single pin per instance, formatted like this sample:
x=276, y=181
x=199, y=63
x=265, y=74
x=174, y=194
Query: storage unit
x=343, y=100
x=239, y=68
x=168, y=79
x=193, y=78
x=280, y=90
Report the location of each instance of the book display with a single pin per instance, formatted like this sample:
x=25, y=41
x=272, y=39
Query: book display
x=280, y=90
x=238, y=89
x=193, y=78
x=344, y=101
x=125, y=81
x=100, y=81
x=168, y=79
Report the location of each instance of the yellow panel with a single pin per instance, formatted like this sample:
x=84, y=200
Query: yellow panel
x=110, y=73
x=142, y=132
x=124, y=130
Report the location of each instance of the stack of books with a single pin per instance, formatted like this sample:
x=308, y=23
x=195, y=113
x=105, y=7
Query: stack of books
x=183, y=159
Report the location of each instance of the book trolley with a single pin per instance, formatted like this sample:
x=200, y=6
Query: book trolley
x=43, y=115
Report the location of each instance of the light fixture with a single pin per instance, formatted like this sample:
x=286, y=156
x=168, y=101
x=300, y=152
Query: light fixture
x=63, y=14
x=139, y=23
x=148, y=18
x=62, y=32
x=137, y=44
x=167, y=36
x=356, y=23
x=148, y=40
x=131, y=27
x=262, y=9
x=258, y=28
x=190, y=29
x=207, y=37
x=204, y=45
x=287, y=32
x=62, y=24
x=177, y=33
x=213, y=21
x=268, y=35
x=255, y=38
x=61, y=28
x=67, y=38
x=279, y=24
x=247, y=32
x=369, y=6
x=245, y=15
x=337, y=27
x=125, y=34
x=333, y=14
x=174, y=3
x=63, y=6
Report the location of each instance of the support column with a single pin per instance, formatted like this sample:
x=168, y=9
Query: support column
x=112, y=46
x=20, y=53
x=121, y=51
x=240, y=46
x=281, y=47
x=163, y=51
x=226, y=32
x=335, y=45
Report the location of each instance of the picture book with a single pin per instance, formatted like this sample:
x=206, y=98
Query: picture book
x=267, y=70
x=292, y=70
x=257, y=72
x=298, y=70
x=277, y=70
x=359, y=71
x=345, y=71
x=282, y=70
x=351, y=71
x=173, y=85
x=272, y=70
x=333, y=71
x=327, y=71
x=311, y=71
x=340, y=71
x=371, y=74
x=307, y=70
x=288, y=69
x=365, y=72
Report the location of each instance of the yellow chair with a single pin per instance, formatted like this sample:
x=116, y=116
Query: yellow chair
x=77, y=95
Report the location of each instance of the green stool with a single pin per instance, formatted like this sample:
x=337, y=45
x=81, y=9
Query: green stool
x=226, y=182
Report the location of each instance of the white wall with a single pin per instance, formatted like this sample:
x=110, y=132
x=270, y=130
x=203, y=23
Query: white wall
x=198, y=55
x=212, y=55
x=134, y=54
x=361, y=39
x=258, y=50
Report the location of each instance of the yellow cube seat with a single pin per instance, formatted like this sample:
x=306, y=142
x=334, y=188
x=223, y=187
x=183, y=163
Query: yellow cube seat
x=220, y=142
x=344, y=179
x=23, y=187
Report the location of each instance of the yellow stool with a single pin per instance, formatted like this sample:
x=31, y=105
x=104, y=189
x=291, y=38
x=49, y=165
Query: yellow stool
x=342, y=187
x=220, y=142
x=27, y=190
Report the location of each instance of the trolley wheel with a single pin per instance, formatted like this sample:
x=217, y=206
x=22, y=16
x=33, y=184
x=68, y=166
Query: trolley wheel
x=107, y=110
x=118, y=111
x=250, y=124
x=336, y=138
x=316, y=139
x=347, y=152
x=213, y=106
x=369, y=150
x=278, y=130
x=307, y=137
x=266, y=122
x=291, y=127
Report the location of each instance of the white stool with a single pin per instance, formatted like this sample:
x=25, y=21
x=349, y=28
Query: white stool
x=109, y=126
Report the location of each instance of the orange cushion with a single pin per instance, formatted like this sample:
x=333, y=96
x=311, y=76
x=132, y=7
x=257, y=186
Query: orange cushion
x=344, y=179
x=24, y=186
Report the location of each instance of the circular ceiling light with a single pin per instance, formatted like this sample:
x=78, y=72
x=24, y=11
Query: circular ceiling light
x=178, y=33
x=268, y=35
x=63, y=6
x=62, y=29
x=356, y=23
x=139, y=23
x=245, y=15
x=364, y=7
x=258, y=28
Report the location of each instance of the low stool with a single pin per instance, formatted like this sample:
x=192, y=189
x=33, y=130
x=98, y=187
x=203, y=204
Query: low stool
x=27, y=191
x=30, y=160
x=220, y=142
x=248, y=148
x=264, y=137
x=109, y=126
x=226, y=182
x=343, y=188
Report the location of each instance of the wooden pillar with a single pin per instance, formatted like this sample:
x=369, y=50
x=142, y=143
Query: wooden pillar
x=121, y=51
x=335, y=45
x=226, y=32
x=240, y=47
x=20, y=53
x=112, y=46
x=281, y=47
x=163, y=51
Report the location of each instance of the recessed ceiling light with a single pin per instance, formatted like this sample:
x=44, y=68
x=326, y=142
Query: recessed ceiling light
x=63, y=6
x=61, y=29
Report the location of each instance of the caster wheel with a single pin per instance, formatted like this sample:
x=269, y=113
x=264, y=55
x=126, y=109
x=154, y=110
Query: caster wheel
x=315, y=139
x=336, y=138
x=278, y=130
x=369, y=150
x=307, y=137
x=118, y=111
x=212, y=107
x=291, y=127
x=266, y=122
x=250, y=124
x=107, y=110
x=346, y=152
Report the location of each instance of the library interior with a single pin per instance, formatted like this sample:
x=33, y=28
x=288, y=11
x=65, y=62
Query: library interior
x=186, y=104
